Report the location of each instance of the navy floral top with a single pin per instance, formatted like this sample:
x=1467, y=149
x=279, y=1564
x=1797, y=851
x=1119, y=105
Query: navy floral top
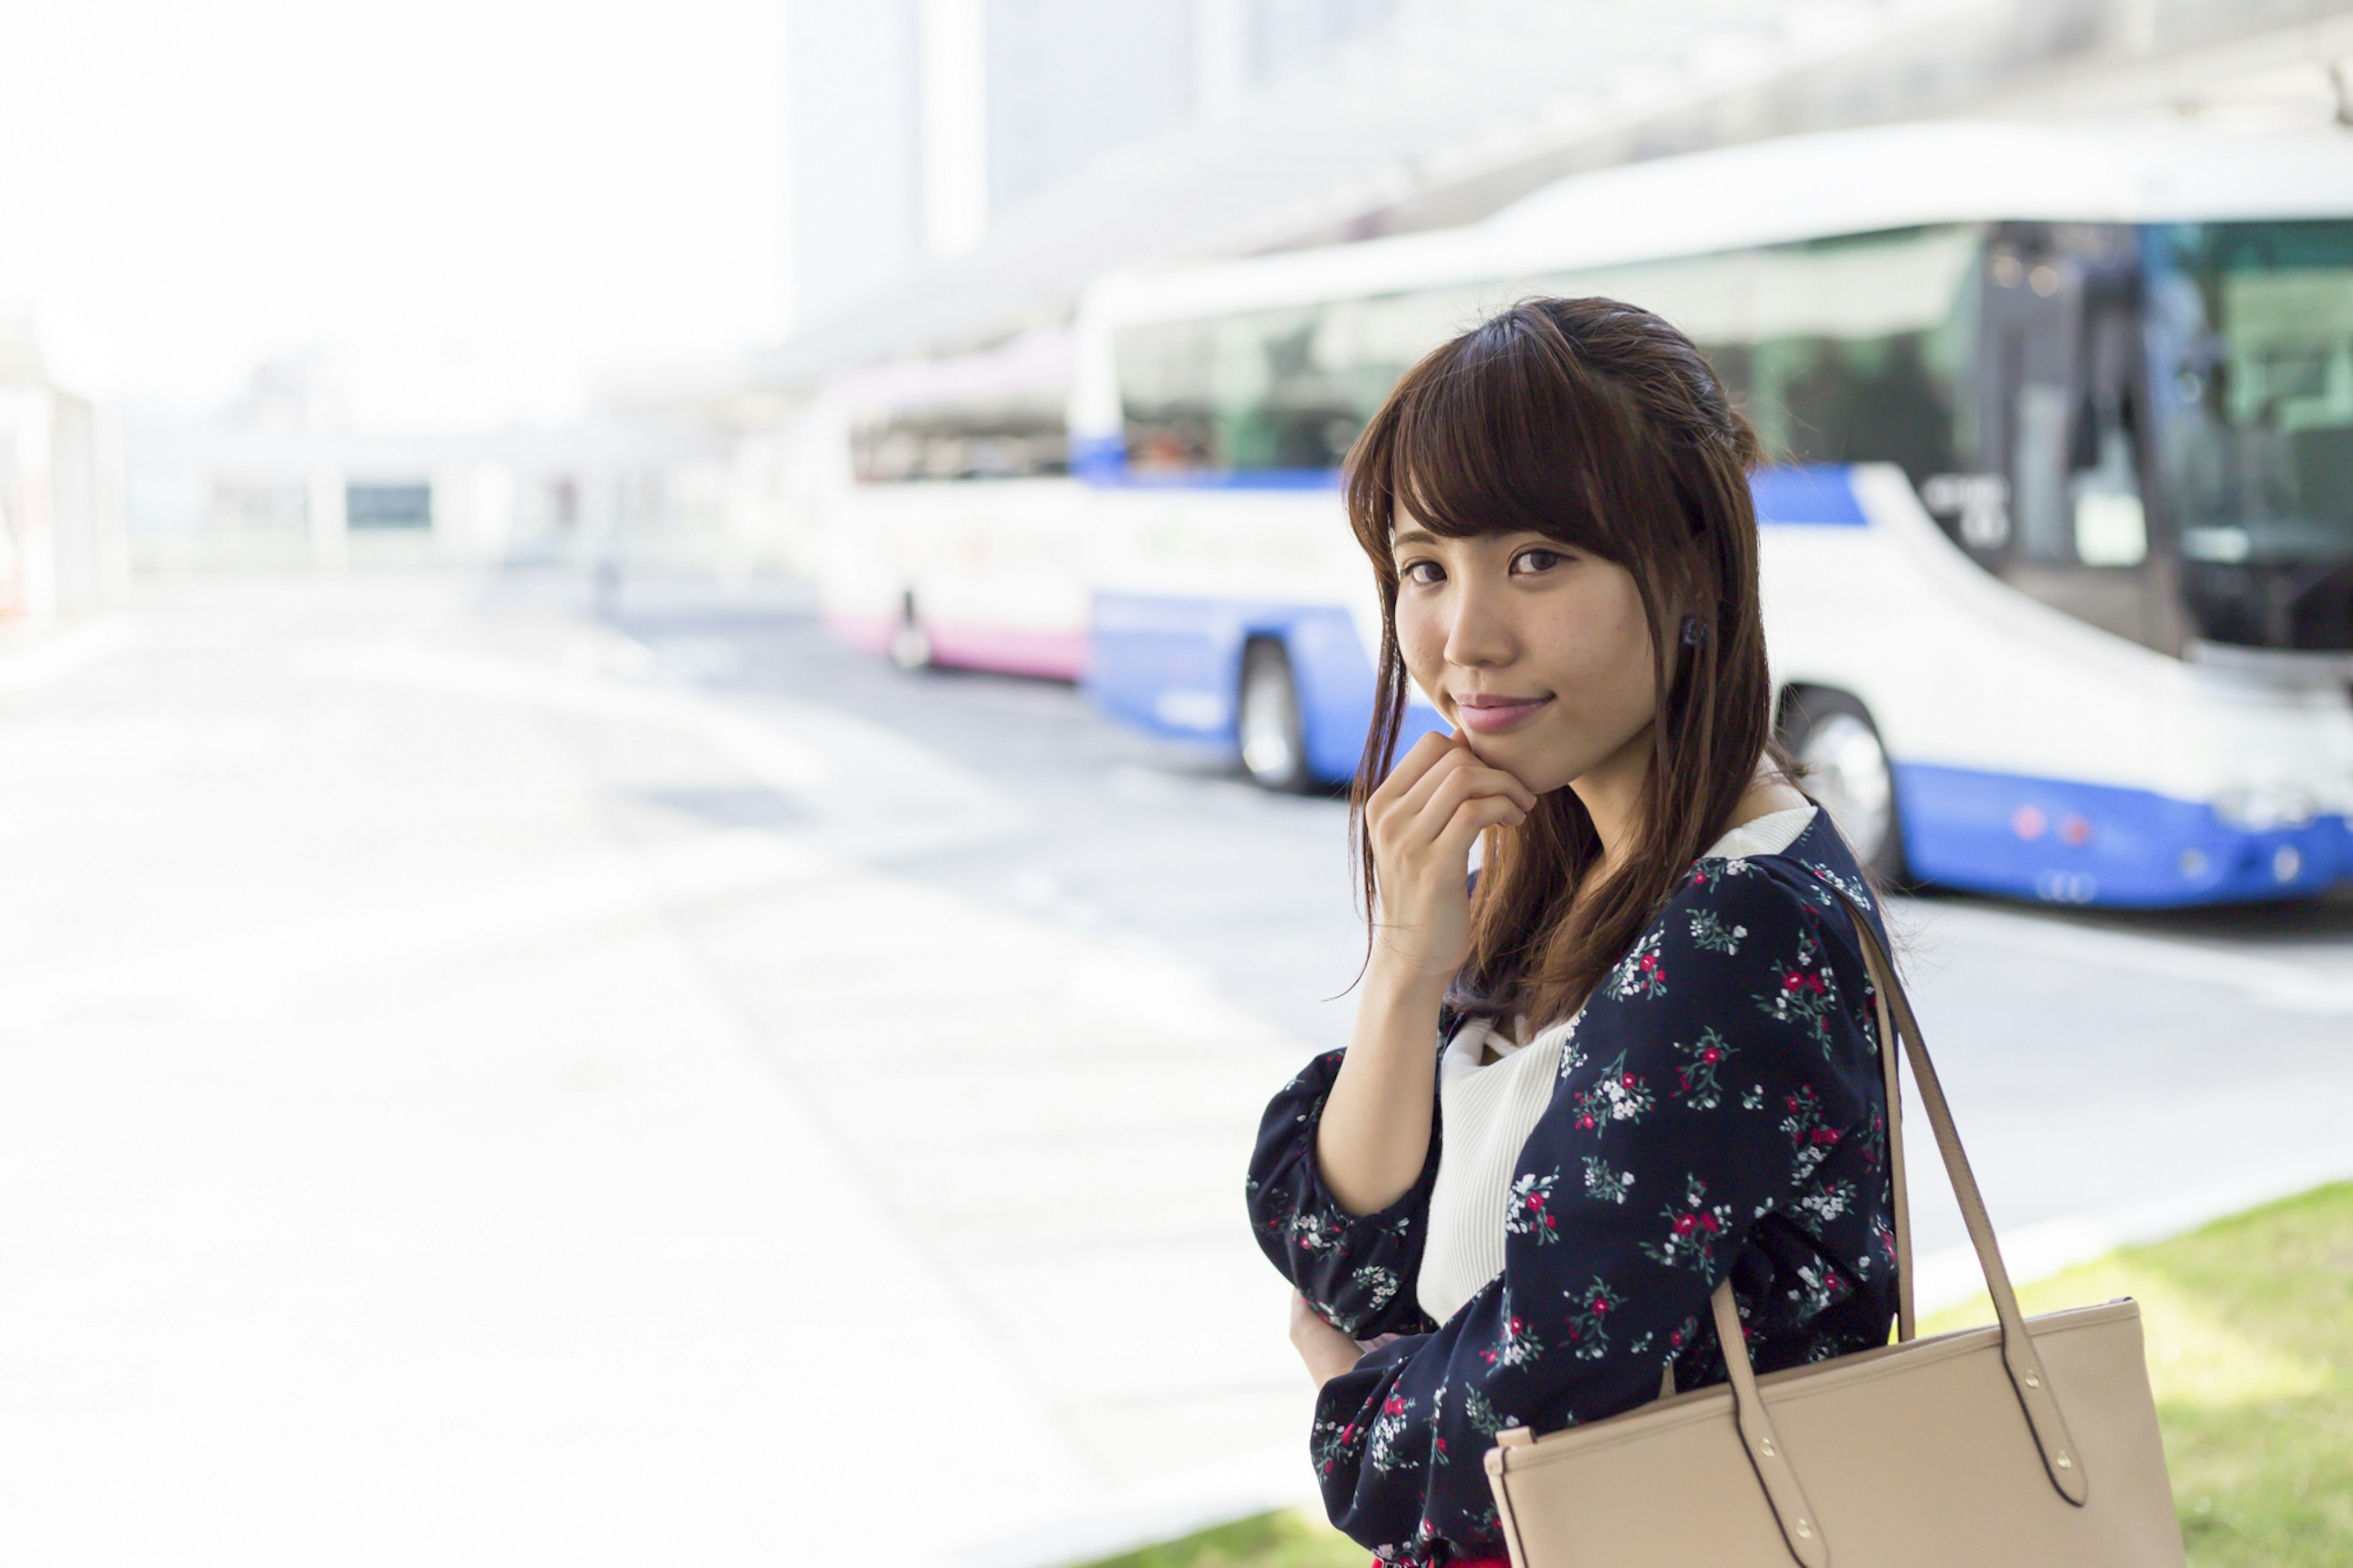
x=1719, y=1111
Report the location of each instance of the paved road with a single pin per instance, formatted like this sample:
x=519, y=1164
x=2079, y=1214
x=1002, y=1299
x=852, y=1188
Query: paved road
x=485, y=1082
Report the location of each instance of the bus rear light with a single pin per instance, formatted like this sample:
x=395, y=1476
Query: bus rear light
x=2028, y=823
x=2074, y=830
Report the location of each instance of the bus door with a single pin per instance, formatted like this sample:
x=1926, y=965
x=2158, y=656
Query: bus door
x=2061, y=415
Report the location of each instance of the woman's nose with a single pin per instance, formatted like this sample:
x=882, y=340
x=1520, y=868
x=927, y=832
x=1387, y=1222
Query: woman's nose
x=1478, y=638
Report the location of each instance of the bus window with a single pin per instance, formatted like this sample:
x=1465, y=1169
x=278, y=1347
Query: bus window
x=1002, y=441
x=1001, y=413
x=1272, y=391
x=2251, y=328
x=1850, y=350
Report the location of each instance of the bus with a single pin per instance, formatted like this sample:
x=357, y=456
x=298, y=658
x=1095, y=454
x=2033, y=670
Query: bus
x=2058, y=541
x=956, y=537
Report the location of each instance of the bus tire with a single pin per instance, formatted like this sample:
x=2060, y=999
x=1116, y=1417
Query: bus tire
x=1268, y=722
x=911, y=646
x=1846, y=769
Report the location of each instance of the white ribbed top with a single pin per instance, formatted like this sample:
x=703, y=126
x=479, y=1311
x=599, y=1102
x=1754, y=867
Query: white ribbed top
x=1491, y=1094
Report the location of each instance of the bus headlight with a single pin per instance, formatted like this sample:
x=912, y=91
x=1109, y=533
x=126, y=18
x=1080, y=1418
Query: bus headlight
x=2259, y=807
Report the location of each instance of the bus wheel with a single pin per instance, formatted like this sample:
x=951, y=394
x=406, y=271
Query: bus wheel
x=1270, y=726
x=911, y=646
x=1847, y=770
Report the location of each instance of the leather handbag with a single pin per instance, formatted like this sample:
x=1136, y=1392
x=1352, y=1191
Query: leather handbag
x=2031, y=1444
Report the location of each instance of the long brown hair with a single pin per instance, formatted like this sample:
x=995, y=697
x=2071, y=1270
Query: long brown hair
x=1597, y=425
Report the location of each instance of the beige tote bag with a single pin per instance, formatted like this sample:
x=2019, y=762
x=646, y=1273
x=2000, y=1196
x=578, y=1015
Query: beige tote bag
x=2032, y=1444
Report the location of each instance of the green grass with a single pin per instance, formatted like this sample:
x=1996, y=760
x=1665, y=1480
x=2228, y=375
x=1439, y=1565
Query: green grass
x=1291, y=1538
x=2249, y=1325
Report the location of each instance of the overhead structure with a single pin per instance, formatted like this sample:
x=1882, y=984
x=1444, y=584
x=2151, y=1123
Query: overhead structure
x=1456, y=108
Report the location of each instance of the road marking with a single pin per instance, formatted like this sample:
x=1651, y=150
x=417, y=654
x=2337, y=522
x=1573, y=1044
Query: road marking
x=1951, y=1275
x=2273, y=983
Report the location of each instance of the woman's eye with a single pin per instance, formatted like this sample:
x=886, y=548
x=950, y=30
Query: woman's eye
x=1536, y=560
x=1424, y=573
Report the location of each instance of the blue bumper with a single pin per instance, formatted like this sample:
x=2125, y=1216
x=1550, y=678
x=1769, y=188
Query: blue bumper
x=2084, y=843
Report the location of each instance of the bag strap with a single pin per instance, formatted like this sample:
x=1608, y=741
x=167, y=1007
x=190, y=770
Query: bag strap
x=1890, y=1067
x=2028, y=1378
x=2027, y=1374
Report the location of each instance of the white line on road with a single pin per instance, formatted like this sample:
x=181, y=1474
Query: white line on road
x=1951, y=1275
x=2278, y=983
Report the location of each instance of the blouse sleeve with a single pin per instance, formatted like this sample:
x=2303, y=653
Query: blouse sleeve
x=1357, y=1270
x=1710, y=1078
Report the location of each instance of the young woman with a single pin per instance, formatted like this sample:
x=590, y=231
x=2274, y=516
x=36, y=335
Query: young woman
x=1637, y=1056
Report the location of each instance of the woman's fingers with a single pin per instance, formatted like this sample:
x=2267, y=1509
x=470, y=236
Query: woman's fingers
x=1461, y=784
x=1459, y=762
x=1473, y=818
x=1453, y=754
x=1408, y=771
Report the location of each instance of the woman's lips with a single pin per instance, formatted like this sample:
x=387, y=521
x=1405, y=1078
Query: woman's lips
x=1489, y=714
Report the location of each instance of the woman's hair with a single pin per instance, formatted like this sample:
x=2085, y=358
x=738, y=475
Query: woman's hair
x=1597, y=425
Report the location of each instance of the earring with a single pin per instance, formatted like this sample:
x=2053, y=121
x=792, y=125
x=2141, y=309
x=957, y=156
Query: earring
x=1694, y=631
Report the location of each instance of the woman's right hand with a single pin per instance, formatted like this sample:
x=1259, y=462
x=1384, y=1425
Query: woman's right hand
x=1423, y=821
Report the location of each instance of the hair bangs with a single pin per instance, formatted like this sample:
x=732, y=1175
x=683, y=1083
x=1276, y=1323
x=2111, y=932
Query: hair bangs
x=1501, y=432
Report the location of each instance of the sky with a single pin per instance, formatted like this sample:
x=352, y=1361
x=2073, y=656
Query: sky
x=481, y=209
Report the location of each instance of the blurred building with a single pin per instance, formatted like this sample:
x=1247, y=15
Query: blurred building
x=61, y=512
x=917, y=125
x=284, y=476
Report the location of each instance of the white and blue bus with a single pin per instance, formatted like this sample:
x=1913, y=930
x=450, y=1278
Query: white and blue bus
x=2059, y=557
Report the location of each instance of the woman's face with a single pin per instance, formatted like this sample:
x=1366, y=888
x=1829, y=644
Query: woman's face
x=1540, y=653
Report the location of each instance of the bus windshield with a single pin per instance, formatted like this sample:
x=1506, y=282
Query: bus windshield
x=2251, y=331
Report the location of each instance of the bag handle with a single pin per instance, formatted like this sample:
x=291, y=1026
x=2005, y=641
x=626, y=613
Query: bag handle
x=2028, y=1378
x=2027, y=1374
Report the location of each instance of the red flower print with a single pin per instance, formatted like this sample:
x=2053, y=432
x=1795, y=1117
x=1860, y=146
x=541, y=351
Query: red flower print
x=1711, y=1055
x=1685, y=1224
x=1601, y=1303
x=1628, y=1080
x=1826, y=1135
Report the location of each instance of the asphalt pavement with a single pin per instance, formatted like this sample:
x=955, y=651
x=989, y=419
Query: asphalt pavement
x=486, y=1076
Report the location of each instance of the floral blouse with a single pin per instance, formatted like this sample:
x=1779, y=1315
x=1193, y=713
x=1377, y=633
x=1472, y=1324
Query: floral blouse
x=1719, y=1112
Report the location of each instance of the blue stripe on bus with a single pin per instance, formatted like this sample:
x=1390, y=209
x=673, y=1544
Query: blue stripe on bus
x=2064, y=842
x=1816, y=495
x=1172, y=666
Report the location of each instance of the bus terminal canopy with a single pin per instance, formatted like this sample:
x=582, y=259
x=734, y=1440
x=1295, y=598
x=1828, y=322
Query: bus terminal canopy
x=1437, y=121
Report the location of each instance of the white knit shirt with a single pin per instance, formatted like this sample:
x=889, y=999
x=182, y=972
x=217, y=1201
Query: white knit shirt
x=1488, y=1107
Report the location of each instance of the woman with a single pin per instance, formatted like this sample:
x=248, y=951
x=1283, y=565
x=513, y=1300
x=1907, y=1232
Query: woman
x=1637, y=1056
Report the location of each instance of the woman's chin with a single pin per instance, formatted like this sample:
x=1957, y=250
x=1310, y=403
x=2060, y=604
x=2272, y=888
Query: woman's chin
x=1516, y=754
